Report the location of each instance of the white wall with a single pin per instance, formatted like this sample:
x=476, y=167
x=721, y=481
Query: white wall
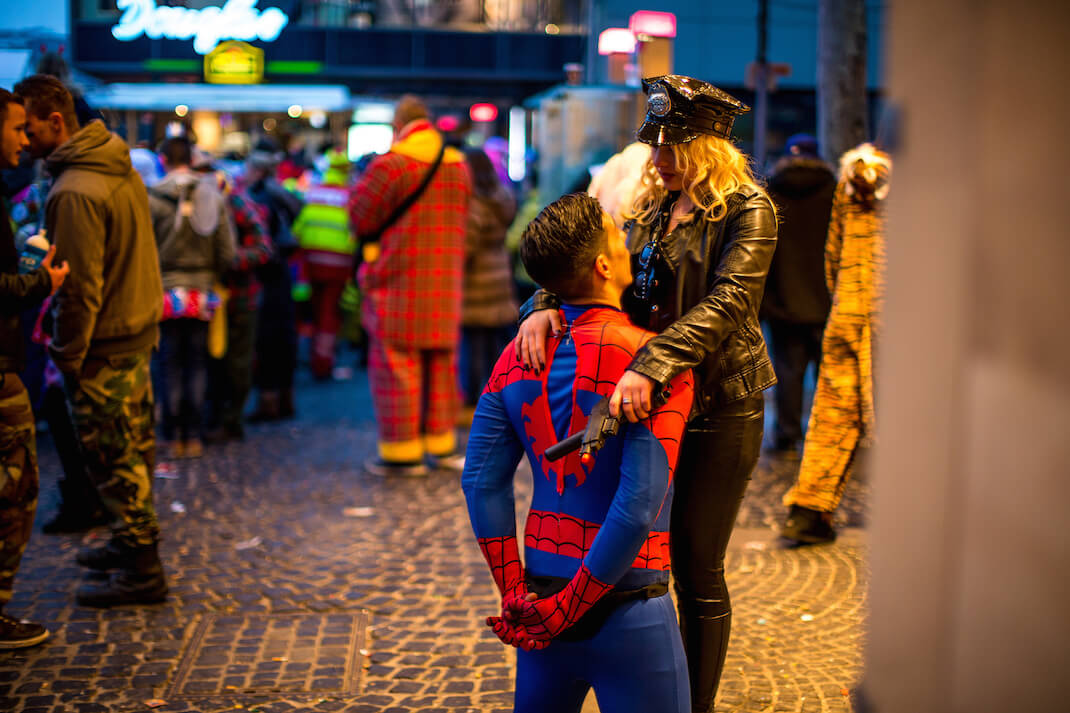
x=971, y=504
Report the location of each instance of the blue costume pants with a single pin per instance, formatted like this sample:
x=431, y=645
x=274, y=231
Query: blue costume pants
x=634, y=663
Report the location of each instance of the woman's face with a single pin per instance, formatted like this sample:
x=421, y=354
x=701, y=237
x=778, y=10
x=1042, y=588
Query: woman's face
x=665, y=164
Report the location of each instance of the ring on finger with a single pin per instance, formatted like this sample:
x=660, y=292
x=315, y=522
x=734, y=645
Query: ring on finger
x=625, y=400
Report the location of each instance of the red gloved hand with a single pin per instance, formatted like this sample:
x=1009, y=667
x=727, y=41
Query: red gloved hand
x=512, y=634
x=503, y=556
x=534, y=623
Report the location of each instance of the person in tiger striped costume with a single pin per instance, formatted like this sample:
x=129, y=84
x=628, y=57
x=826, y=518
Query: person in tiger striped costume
x=842, y=417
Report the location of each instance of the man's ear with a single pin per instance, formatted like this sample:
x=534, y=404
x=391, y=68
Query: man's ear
x=55, y=122
x=602, y=268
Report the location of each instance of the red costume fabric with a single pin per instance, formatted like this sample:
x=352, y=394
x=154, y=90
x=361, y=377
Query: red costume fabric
x=411, y=295
x=599, y=525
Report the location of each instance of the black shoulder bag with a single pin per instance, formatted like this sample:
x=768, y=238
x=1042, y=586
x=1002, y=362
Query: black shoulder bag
x=398, y=211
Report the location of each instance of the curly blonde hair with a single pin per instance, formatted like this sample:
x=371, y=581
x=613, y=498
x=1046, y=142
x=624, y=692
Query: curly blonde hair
x=713, y=168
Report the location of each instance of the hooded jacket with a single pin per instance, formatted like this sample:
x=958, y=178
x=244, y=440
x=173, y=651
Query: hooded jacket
x=195, y=259
x=795, y=290
x=97, y=213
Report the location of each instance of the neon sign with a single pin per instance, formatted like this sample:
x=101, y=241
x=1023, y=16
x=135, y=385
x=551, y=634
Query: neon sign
x=236, y=20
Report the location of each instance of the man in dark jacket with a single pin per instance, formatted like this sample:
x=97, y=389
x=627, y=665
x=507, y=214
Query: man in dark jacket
x=105, y=328
x=18, y=450
x=796, y=302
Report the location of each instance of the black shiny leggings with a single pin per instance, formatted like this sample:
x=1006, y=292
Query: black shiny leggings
x=719, y=452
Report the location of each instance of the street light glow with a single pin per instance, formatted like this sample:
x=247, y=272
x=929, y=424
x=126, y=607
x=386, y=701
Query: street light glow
x=616, y=40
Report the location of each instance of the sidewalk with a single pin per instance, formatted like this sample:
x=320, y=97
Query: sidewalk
x=300, y=583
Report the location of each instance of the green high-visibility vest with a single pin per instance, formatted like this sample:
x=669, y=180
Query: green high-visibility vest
x=323, y=223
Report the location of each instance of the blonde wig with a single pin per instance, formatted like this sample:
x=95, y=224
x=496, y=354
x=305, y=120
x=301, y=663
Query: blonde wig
x=712, y=167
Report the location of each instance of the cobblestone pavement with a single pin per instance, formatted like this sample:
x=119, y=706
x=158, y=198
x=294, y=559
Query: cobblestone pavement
x=300, y=583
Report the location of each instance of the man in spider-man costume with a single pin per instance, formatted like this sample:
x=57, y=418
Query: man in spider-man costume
x=588, y=610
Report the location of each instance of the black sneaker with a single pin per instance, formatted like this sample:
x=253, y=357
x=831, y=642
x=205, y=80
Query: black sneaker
x=808, y=527
x=15, y=634
x=67, y=521
x=386, y=469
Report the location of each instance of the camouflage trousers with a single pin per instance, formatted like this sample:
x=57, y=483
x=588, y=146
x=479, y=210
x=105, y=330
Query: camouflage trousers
x=113, y=412
x=18, y=478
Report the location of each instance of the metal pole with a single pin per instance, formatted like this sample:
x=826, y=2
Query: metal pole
x=761, y=87
x=592, y=43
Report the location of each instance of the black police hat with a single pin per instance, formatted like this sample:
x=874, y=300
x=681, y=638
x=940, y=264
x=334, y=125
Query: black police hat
x=680, y=109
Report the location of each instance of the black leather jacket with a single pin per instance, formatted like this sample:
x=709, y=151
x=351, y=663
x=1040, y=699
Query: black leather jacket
x=711, y=281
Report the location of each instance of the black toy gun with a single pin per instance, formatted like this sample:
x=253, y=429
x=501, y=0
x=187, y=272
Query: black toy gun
x=600, y=426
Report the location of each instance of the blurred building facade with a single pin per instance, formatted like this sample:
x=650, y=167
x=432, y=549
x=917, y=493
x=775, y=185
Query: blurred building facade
x=328, y=70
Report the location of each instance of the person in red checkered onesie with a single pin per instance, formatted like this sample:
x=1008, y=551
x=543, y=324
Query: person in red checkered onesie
x=411, y=293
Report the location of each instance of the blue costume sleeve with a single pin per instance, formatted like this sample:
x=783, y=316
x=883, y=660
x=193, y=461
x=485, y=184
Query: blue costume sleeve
x=644, y=483
x=494, y=450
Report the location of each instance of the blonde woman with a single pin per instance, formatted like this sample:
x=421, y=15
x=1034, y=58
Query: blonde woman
x=702, y=238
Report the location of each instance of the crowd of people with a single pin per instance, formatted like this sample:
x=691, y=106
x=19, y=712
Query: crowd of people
x=175, y=285
x=188, y=284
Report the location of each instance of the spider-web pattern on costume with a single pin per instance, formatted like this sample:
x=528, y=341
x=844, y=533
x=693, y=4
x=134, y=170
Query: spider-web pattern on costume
x=568, y=525
x=602, y=355
x=544, y=619
x=503, y=557
x=563, y=534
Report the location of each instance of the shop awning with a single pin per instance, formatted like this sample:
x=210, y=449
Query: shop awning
x=220, y=97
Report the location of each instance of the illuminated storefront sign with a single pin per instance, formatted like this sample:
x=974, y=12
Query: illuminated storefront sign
x=236, y=20
x=616, y=40
x=653, y=24
x=234, y=62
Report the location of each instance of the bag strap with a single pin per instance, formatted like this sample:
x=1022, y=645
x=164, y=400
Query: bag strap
x=407, y=203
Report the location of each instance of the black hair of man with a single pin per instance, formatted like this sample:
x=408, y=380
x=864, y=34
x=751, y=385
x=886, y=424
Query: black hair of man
x=176, y=152
x=6, y=98
x=559, y=247
x=44, y=95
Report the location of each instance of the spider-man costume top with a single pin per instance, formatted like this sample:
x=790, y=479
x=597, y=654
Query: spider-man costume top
x=601, y=527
